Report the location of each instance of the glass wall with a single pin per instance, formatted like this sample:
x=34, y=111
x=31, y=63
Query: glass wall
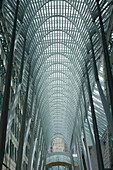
x=59, y=168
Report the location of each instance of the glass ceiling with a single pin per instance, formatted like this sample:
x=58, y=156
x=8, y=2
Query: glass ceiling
x=57, y=35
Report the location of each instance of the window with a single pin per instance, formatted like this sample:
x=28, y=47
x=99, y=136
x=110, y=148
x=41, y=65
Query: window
x=18, y=133
x=57, y=145
x=7, y=148
x=15, y=154
x=11, y=150
x=1, y=101
x=12, y=127
x=27, y=151
x=2, y=71
x=15, y=130
x=12, y=94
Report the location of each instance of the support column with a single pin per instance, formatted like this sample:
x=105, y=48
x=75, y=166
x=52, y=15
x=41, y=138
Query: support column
x=40, y=159
x=1, y=2
x=33, y=138
x=37, y=161
x=40, y=145
x=109, y=116
x=43, y=168
x=11, y=111
x=26, y=134
x=106, y=58
x=92, y=138
x=97, y=141
x=20, y=148
x=85, y=142
x=42, y=164
x=44, y=154
x=79, y=153
x=4, y=115
x=79, y=137
x=22, y=62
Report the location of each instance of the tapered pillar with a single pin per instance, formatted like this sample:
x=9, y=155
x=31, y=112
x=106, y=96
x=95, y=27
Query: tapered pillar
x=106, y=58
x=33, y=138
x=39, y=166
x=109, y=116
x=1, y=2
x=37, y=159
x=79, y=153
x=97, y=141
x=4, y=115
x=85, y=142
x=22, y=62
x=86, y=112
x=28, y=128
x=11, y=112
x=22, y=132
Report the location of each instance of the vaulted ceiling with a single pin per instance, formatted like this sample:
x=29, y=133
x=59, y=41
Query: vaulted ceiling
x=57, y=38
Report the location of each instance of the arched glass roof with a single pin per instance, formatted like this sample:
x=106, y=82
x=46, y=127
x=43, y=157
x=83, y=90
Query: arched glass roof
x=57, y=35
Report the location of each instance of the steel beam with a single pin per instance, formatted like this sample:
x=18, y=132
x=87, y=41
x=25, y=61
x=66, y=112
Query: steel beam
x=1, y=2
x=37, y=160
x=32, y=141
x=79, y=135
x=11, y=112
x=109, y=116
x=4, y=115
x=22, y=62
x=38, y=155
x=85, y=142
x=90, y=130
x=39, y=165
x=106, y=58
x=22, y=132
x=79, y=153
x=97, y=141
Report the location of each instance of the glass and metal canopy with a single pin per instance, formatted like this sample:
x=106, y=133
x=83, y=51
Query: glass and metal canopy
x=57, y=41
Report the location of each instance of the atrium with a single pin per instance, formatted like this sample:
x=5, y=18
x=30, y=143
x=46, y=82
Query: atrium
x=56, y=85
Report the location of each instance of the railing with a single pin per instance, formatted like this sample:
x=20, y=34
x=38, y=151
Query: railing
x=59, y=157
